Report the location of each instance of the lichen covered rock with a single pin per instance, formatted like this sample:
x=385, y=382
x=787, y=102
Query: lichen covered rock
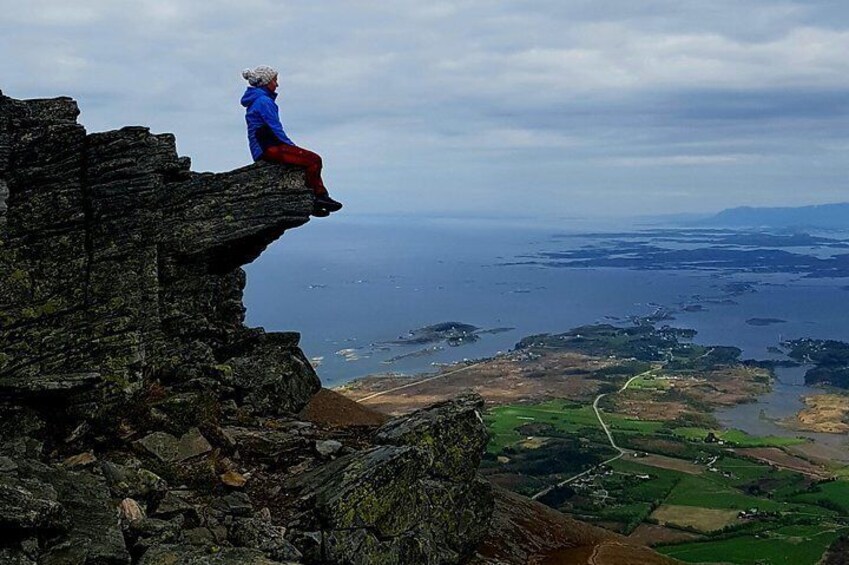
x=27, y=504
x=404, y=502
x=168, y=448
x=260, y=534
x=452, y=434
x=274, y=376
x=70, y=510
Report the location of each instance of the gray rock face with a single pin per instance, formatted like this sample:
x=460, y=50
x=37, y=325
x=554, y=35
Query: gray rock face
x=274, y=376
x=129, y=384
x=452, y=434
x=255, y=533
x=29, y=504
x=406, y=502
x=170, y=449
x=116, y=259
x=78, y=504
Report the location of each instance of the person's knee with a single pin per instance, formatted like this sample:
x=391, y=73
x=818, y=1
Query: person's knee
x=314, y=158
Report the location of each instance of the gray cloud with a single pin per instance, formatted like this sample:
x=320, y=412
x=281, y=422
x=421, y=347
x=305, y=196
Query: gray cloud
x=547, y=107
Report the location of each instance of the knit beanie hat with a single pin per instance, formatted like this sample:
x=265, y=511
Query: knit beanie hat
x=259, y=76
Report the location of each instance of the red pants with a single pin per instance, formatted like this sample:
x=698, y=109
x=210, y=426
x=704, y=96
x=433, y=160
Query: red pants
x=294, y=155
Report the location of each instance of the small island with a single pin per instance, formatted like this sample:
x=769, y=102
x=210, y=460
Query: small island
x=765, y=321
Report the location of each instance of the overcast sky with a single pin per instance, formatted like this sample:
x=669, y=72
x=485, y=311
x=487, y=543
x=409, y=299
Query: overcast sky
x=538, y=107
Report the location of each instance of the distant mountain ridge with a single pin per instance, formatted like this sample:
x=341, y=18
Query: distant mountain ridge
x=825, y=216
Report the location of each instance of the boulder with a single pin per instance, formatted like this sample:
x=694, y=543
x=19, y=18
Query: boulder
x=7, y=464
x=451, y=433
x=328, y=447
x=147, y=532
x=233, y=504
x=273, y=376
x=19, y=426
x=180, y=412
x=375, y=489
x=383, y=505
x=29, y=505
x=260, y=534
x=93, y=534
x=130, y=511
x=126, y=481
x=176, y=503
x=170, y=449
x=14, y=556
x=267, y=445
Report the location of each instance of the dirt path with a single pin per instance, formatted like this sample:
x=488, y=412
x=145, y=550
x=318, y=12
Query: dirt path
x=410, y=385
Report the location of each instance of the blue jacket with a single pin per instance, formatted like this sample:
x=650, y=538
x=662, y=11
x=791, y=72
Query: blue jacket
x=263, y=119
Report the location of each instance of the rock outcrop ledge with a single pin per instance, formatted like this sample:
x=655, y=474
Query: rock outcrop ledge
x=141, y=421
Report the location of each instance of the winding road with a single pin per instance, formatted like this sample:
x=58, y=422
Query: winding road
x=606, y=429
x=620, y=452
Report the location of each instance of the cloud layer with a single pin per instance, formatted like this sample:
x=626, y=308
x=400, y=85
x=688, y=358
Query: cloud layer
x=549, y=108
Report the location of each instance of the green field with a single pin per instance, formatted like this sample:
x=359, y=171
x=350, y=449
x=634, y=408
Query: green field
x=627, y=493
x=564, y=418
x=653, y=490
x=706, y=493
x=648, y=383
x=833, y=495
x=631, y=514
x=738, y=438
x=710, y=492
x=793, y=545
x=747, y=473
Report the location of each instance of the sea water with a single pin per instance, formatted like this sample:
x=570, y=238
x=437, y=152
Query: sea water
x=353, y=286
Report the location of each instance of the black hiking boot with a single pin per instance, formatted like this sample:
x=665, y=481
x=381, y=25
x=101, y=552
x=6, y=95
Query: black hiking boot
x=319, y=211
x=324, y=201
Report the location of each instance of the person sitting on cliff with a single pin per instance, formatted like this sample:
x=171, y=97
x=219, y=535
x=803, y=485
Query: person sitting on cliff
x=269, y=142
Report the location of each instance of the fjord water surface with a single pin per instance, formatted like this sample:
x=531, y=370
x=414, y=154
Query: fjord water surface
x=353, y=287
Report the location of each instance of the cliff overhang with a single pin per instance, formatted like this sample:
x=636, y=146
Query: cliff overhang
x=117, y=256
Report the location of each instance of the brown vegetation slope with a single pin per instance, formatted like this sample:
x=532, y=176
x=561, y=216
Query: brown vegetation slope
x=527, y=532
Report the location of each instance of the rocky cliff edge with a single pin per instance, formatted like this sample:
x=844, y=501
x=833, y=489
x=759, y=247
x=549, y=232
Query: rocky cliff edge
x=142, y=422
